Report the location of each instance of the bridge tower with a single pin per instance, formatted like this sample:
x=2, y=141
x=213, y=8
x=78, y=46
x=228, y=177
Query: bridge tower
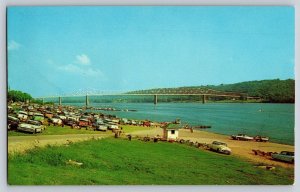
x=86, y=100
x=155, y=99
x=59, y=100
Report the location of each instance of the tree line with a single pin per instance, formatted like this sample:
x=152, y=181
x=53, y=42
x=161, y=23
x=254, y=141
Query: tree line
x=273, y=91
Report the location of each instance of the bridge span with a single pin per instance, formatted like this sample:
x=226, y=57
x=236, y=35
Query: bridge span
x=203, y=96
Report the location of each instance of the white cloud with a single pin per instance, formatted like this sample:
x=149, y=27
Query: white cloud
x=12, y=45
x=83, y=71
x=82, y=66
x=83, y=59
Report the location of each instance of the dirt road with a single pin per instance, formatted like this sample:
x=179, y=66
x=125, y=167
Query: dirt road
x=22, y=143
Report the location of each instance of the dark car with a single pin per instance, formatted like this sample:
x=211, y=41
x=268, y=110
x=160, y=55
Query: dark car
x=12, y=123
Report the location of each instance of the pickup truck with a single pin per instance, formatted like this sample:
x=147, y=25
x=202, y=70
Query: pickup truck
x=219, y=147
x=285, y=156
x=259, y=138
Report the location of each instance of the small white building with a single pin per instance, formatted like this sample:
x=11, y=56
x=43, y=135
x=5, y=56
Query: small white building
x=171, y=131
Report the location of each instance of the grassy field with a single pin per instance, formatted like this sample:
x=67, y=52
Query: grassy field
x=58, y=130
x=118, y=162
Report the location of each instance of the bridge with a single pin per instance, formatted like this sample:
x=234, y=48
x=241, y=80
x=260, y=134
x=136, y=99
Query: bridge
x=156, y=93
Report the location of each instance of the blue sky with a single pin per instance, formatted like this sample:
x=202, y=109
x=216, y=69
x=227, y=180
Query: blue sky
x=59, y=50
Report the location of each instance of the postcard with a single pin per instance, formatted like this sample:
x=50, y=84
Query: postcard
x=150, y=95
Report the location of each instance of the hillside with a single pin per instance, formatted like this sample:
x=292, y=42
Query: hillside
x=275, y=91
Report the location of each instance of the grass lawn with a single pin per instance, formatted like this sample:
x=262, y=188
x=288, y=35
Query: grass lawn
x=58, y=130
x=118, y=162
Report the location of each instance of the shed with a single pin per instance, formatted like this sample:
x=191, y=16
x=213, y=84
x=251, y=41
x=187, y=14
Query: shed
x=171, y=131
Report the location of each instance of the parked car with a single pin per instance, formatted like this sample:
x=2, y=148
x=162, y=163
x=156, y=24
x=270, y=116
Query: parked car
x=242, y=137
x=285, y=156
x=219, y=147
x=48, y=114
x=83, y=122
x=69, y=122
x=12, y=122
x=37, y=123
x=30, y=128
x=112, y=126
x=261, y=139
x=56, y=120
x=38, y=117
x=23, y=115
x=102, y=127
x=132, y=122
x=123, y=121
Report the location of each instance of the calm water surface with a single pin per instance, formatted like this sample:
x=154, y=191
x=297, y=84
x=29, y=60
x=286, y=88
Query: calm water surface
x=273, y=120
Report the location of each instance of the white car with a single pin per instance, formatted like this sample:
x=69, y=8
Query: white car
x=56, y=121
x=22, y=115
x=242, y=137
x=30, y=128
x=110, y=126
x=219, y=147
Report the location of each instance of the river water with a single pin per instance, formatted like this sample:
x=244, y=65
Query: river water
x=273, y=120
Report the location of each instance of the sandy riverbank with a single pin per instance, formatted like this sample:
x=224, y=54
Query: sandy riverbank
x=241, y=149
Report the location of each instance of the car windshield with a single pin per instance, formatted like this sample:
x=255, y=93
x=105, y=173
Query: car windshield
x=287, y=153
x=34, y=122
x=219, y=143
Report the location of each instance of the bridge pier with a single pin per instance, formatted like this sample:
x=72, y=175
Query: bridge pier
x=155, y=99
x=86, y=100
x=59, y=101
x=203, y=99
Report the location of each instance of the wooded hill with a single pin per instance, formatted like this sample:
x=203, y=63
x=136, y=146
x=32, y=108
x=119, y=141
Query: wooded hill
x=274, y=91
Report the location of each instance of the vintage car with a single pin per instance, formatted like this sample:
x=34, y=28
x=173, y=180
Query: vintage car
x=146, y=123
x=37, y=123
x=12, y=122
x=259, y=138
x=123, y=121
x=132, y=122
x=83, y=122
x=285, y=156
x=70, y=122
x=101, y=127
x=48, y=114
x=23, y=115
x=112, y=126
x=219, y=147
x=116, y=121
x=242, y=137
x=38, y=117
x=56, y=120
x=31, y=128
